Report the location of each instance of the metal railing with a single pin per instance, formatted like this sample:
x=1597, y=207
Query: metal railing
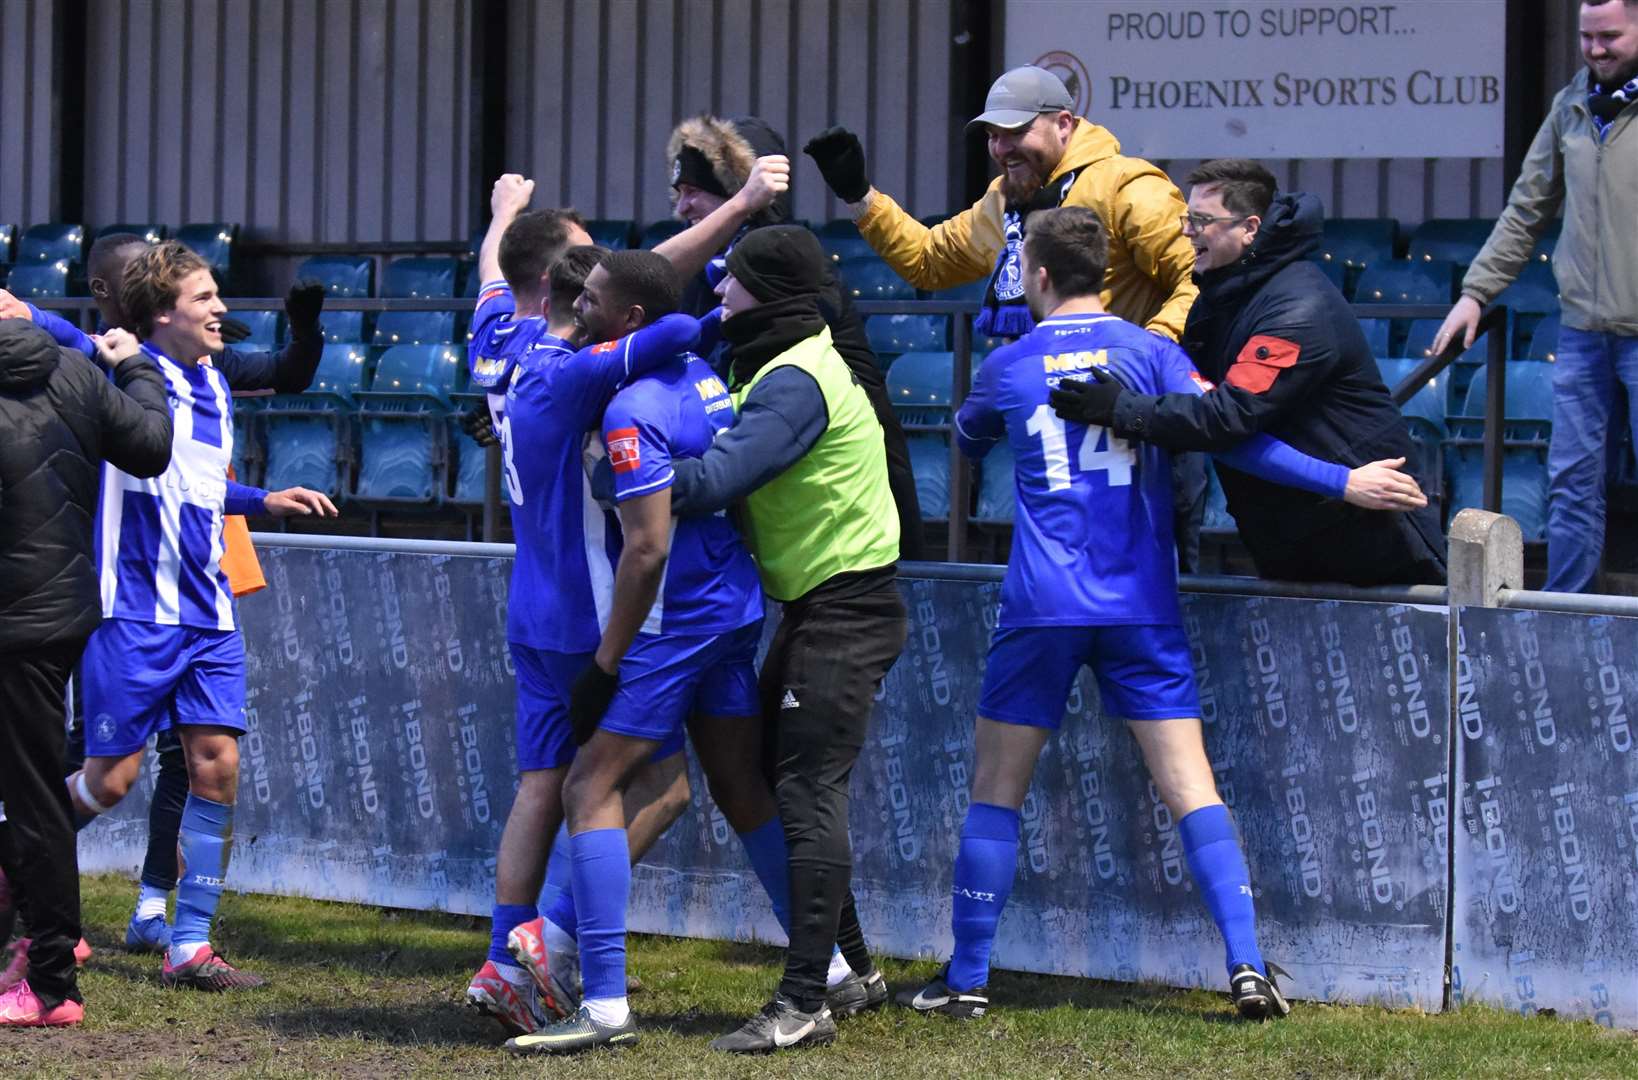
x=1493, y=325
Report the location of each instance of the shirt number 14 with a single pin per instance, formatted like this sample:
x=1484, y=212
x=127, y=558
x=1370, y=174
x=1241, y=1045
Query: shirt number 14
x=1115, y=458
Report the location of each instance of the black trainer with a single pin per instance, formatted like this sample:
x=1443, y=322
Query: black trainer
x=937, y=997
x=779, y=1026
x=1256, y=995
x=579, y=1032
x=856, y=993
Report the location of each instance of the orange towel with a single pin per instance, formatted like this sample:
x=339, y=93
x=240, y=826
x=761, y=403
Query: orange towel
x=239, y=562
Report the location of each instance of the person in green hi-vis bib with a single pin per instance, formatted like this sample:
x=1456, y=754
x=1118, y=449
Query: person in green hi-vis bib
x=805, y=454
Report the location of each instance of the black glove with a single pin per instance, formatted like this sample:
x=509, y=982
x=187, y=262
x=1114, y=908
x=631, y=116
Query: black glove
x=841, y=162
x=232, y=330
x=589, y=700
x=302, y=305
x=1090, y=402
x=479, y=424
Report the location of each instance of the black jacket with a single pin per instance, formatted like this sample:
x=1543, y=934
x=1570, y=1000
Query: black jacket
x=1289, y=359
x=62, y=418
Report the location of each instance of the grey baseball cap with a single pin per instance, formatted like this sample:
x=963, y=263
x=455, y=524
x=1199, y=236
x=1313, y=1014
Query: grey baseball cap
x=1021, y=95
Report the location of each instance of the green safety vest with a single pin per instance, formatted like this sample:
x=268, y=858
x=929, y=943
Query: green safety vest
x=831, y=512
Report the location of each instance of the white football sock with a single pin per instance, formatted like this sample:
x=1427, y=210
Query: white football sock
x=182, y=954
x=610, y=1012
x=151, y=903
x=838, y=970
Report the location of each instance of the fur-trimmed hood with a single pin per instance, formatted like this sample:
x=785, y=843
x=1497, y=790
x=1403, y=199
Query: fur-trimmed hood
x=732, y=147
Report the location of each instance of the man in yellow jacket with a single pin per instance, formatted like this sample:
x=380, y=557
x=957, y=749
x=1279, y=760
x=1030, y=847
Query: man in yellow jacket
x=1048, y=157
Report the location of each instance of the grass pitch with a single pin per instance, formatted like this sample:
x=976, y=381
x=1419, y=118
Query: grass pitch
x=362, y=992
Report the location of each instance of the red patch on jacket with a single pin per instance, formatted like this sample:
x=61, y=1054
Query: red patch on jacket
x=1260, y=362
x=624, y=456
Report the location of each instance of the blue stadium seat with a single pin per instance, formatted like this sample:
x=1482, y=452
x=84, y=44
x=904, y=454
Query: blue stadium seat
x=1455, y=240
x=470, y=467
x=212, y=241
x=1405, y=282
x=1377, y=334
x=52, y=243
x=972, y=292
x=1357, y=242
x=342, y=276
x=307, y=434
x=414, y=328
x=1419, y=339
x=1532, y=296
x=996, y=501
x=930, y=464
x=248, y=453
x=891, y=335
x=403, y=447
x=1424, y=416
x=153, y=234
x=1544, y=340
x=8, y=235
x=918, y=385
x=420, y=278
x=612, y=233
x=38, y=281
x=343, y=327
x=1528, y=412
x=417, y=279
x=264, y=328
x=869, y=278
x=659, y=232
x=841, y=240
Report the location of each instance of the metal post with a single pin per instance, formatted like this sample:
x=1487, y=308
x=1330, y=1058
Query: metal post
x=1495, y=411
x=491, y=493
x=961, y=382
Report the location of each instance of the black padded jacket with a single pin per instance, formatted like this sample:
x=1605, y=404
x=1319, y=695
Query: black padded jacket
x=1289, y=359
x=62, y=417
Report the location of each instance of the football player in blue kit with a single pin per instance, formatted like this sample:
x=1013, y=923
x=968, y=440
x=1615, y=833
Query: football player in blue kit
x=169, y=655
x=525, y=318
x=1092, y=579
x=678, y=650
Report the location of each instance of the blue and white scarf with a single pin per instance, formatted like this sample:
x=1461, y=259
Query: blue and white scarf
x=1005, y=312
x=1605, y=107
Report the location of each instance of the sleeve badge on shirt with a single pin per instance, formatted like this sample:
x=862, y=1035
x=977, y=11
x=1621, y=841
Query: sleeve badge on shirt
x=606, y=346
x=1202, y=382
x=624, y=456
x=1260, y=362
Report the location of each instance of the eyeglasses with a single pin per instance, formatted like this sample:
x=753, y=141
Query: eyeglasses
x=1195, y=222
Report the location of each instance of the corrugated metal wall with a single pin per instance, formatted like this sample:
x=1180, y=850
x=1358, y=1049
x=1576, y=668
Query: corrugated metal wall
x=352, y=120
x=29, y=125
x=305, y=120
x=593, y=134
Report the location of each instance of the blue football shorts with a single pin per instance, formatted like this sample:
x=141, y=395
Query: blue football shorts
x=138, y=679
x=544, y=734
x=1143, y=673
x=666, y=678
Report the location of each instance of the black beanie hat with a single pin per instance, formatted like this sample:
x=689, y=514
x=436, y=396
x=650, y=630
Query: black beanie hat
x=691, y=166
x=778, y=262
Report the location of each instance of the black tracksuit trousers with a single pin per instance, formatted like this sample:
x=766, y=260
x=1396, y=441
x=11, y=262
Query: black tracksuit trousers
x=37, y=848
x=818, y=688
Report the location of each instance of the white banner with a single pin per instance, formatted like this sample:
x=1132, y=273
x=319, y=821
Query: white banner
x=1276, y=78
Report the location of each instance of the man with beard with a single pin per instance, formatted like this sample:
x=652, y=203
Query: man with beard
x=729, y=177
x=1048, y=157
x=1584, y=160
x=1290, y=361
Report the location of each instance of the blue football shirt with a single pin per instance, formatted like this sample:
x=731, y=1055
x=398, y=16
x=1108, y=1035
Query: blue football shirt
x=711, y=584
x=567, y=545
x=1092, y=538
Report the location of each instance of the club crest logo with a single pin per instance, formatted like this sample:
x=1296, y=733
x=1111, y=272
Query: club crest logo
x=1068, y=67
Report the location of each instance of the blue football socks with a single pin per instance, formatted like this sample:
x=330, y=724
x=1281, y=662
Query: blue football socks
x=206, y=838
x=503, y=918
x=602, y=878
x=985, y=865
x=770, y=859
x=1219, y=868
